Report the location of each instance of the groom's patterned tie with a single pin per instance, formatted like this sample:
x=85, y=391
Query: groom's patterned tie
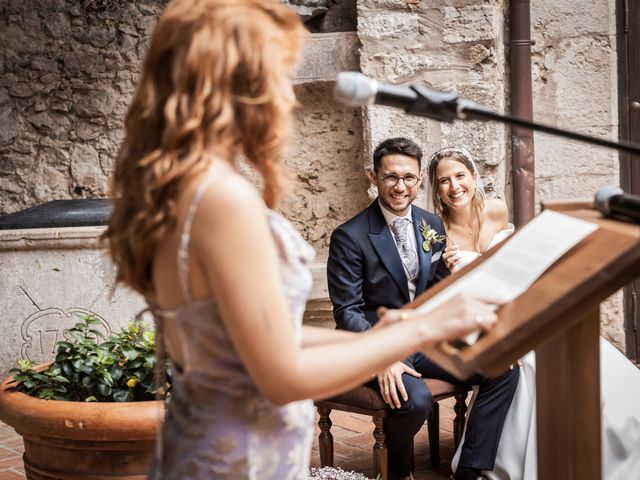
x=408, y=255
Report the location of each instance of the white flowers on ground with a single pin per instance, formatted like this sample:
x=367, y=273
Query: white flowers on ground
x=331, y=473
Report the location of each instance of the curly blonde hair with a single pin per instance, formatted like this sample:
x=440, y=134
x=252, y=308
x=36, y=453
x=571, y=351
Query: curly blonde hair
x=214, y=84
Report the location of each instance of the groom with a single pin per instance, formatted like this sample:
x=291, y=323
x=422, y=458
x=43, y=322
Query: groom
x=380, y=258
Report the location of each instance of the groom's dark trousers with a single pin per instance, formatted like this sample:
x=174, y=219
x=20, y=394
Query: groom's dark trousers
x=364, y=272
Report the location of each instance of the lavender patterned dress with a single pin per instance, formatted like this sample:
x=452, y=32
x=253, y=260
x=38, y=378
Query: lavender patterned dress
x=219, y=425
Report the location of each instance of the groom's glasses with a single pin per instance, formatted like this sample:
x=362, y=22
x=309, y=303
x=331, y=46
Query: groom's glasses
x=392, y=180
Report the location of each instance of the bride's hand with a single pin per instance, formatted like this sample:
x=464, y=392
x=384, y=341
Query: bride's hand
x=450, y=256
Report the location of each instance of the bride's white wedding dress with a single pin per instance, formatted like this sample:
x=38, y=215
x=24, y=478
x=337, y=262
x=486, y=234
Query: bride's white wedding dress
x=620, y=402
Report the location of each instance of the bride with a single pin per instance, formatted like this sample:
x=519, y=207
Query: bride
x=474, y=224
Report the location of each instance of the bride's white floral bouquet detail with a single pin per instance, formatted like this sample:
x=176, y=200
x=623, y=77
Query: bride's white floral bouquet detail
x=429, y=236
x=331, y=473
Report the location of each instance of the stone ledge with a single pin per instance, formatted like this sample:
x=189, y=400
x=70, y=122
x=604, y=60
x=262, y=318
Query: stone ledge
x=319, y=313
x=88, y=238
x=326, y=54
x=51, y=238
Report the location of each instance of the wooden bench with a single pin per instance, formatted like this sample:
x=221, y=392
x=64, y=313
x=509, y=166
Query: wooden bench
x=366, y=401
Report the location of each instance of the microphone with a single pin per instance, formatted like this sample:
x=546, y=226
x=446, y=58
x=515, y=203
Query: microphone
x=613, y=202
x=355, y=90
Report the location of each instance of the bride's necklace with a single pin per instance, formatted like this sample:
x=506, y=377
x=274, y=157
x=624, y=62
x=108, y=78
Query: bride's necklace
x=468, y=230
x=466, y=238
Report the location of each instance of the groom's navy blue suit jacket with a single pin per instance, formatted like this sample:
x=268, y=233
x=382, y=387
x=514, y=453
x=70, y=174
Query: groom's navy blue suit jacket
x=364, y=270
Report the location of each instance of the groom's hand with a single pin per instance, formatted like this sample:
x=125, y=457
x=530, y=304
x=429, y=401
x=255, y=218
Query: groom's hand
x=390, y=381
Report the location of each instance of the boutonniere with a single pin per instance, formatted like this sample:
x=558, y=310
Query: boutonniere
x=429, y=236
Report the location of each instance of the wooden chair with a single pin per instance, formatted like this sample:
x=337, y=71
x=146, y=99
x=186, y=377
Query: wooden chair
x=366, y=401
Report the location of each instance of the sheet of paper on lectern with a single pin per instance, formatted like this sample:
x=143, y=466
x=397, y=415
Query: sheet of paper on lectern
x=520, y=262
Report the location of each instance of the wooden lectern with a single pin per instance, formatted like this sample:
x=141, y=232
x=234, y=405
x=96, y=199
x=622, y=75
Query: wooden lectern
x=558, y=317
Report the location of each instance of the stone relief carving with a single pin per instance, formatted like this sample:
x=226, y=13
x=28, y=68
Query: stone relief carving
x=41, y=330
x=308, y=9
x=325, y=16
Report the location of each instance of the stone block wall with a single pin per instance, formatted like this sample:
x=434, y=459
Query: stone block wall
x=67, y=75
x=575, y=87
x=461, y=46
x=326, y=160
x=575, y=79
x=448, y=45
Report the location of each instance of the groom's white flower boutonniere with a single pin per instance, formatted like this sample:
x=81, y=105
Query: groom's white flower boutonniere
x=429, y=236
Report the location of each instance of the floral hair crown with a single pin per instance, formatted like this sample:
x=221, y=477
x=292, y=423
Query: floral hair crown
x=460, y=150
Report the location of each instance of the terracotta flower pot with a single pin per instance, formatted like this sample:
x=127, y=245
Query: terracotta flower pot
x=78, y=441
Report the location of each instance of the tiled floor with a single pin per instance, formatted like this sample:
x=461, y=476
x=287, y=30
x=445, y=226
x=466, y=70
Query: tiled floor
x=353, y=442
x=10, y=454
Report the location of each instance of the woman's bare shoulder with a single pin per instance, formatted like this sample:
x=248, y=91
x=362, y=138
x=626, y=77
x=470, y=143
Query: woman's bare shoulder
x=228, y=192
x=496, y=210
x=229, y=200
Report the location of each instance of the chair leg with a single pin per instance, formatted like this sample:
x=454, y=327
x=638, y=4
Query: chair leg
x=325, y=439
x=458, y=423
x=380, y=454
x=433, y=428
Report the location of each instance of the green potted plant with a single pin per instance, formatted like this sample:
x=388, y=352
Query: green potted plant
x=91, y=413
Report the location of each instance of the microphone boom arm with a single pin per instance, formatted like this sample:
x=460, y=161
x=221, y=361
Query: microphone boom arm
x=442, y=106
x=447, y=107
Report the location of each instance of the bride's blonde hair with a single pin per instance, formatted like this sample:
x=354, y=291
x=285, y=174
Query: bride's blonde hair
x=464, y=157
x=214, y=84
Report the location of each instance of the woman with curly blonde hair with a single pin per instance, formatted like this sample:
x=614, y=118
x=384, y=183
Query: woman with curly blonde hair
x=226, y=275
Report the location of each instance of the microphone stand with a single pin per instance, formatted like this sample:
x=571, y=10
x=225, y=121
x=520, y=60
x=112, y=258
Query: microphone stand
x=447, y=106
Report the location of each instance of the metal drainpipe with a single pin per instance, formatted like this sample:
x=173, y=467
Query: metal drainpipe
x=522, y=160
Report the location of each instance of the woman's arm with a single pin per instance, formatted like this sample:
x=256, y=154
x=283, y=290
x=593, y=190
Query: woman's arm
x=318, y=335
x=234, y=245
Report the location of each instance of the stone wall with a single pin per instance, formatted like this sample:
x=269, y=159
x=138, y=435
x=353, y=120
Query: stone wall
x=67, y=78
x=575, y=79
x=67, y=75
x=326, y=158
x=575, y=87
